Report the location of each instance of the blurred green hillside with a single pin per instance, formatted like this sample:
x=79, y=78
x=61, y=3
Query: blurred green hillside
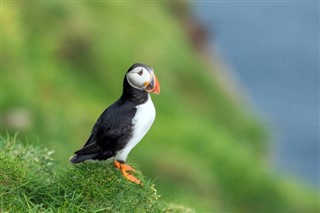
x=63, y=63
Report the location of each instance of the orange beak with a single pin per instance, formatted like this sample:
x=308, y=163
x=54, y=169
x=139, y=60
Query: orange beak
x=156, y=89
x=154, y=86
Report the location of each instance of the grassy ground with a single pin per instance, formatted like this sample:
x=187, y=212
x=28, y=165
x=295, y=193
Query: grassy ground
x=30, y=183
x=64, y=62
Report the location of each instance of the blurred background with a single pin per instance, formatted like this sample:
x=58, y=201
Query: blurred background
x=237, y=119
x=272, y=49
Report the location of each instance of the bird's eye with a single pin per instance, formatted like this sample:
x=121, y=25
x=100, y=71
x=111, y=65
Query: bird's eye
x=140, y=72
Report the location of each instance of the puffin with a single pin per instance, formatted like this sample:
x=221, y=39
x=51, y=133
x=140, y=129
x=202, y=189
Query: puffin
x=123, y=124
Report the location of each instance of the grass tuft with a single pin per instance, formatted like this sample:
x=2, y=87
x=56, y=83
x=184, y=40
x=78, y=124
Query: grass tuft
x=29, y=183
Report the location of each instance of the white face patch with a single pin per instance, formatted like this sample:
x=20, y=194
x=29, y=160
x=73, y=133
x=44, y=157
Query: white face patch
x=138, y=76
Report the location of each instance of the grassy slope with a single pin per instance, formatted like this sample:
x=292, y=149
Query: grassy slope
x=30, y=184
x=204, y=148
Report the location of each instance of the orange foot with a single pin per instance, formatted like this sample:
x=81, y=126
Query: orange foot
x=124, y=168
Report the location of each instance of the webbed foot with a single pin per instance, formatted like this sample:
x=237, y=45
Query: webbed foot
x=125, y=169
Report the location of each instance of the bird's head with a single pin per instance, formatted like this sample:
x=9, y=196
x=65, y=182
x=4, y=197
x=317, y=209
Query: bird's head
x=142, y=77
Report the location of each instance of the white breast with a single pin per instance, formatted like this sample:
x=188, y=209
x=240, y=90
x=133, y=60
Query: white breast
x=142, y=121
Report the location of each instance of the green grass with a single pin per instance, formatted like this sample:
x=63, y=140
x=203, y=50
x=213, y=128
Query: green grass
x=64, y=63
x=29, y=182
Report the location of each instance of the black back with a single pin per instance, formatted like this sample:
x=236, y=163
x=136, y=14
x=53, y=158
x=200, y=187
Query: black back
x=113, y=129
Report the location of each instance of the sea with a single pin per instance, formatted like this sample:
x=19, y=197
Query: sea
x=272, y=50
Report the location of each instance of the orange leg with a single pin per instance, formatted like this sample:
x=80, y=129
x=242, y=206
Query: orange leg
x=124, y=168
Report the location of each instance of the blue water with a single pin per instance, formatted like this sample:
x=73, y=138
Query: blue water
x=273, y=49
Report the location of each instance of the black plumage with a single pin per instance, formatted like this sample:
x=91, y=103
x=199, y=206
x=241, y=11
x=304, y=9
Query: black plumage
x=113, y=129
